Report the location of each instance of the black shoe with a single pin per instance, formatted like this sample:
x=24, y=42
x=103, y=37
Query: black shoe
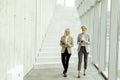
x=64, y=72
x=78, y=76
x=65, y=75
x=84, y=74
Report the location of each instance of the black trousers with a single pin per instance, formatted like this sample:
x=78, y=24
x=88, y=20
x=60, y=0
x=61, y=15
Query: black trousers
x=65, y=59
x=80, y=54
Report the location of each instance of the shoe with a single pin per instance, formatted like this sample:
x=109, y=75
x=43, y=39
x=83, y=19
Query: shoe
x=84, y=74
x=78, y=76
x=65, y=75
x=64, y=72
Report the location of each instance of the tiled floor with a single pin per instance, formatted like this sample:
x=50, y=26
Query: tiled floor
x=56, y=74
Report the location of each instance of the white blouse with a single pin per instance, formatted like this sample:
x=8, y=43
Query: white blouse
x=66, y=39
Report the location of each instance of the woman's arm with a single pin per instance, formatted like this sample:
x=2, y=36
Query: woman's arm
x=88, y=42
x=78, y=41
x=71, y=44
x=62, y=44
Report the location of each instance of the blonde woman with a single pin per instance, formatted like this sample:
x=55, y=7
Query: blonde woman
x=66, y=43
x=83, y=41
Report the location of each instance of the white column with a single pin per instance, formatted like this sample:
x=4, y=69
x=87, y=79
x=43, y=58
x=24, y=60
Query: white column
x=11, y=19
x=103, y=27
x=91, y=28
x=4, y=38
x=113, y=48
x=27, y=35
x=95, y=35
x=33, y=32
x=19, y=32
x=38, y=26
x=91, y=22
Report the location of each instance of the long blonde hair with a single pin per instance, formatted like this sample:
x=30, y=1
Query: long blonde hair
x=66, y=30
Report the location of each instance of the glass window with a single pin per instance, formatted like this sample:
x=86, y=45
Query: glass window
x=119, y=45
x=119, y=60
x=107, y=37
x=107, y=41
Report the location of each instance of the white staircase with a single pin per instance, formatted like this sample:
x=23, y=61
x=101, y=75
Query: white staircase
x=50, y=55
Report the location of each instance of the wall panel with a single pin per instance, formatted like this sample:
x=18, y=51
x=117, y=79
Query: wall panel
x=23, y=25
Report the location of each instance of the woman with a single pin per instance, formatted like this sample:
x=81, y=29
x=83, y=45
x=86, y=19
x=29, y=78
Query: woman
x=66, y=43
x=83, y=42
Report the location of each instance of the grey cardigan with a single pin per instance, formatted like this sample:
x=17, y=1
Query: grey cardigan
x=87, y=38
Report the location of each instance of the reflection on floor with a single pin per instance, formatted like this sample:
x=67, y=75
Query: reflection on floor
x=56, y=74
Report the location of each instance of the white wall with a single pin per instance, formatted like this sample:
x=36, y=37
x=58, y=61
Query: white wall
x=61, y=2
x=23, y=24
x=67, y=3
x=70, y=3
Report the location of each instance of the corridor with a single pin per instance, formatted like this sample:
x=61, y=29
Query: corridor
x=48, y=64
x=30, y=33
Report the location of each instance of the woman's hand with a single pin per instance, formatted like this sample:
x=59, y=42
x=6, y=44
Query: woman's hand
x=85, y=42
x=69, y=45
x=82, y=42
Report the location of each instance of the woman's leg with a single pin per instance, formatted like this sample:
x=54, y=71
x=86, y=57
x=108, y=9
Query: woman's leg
x=85, y=60
x=67, y=61
x=64, y=56
x=79, y=61
x=63, y=60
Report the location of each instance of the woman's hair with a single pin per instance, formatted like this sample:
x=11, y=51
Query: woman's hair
x=67, y=29
x=83, y=26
